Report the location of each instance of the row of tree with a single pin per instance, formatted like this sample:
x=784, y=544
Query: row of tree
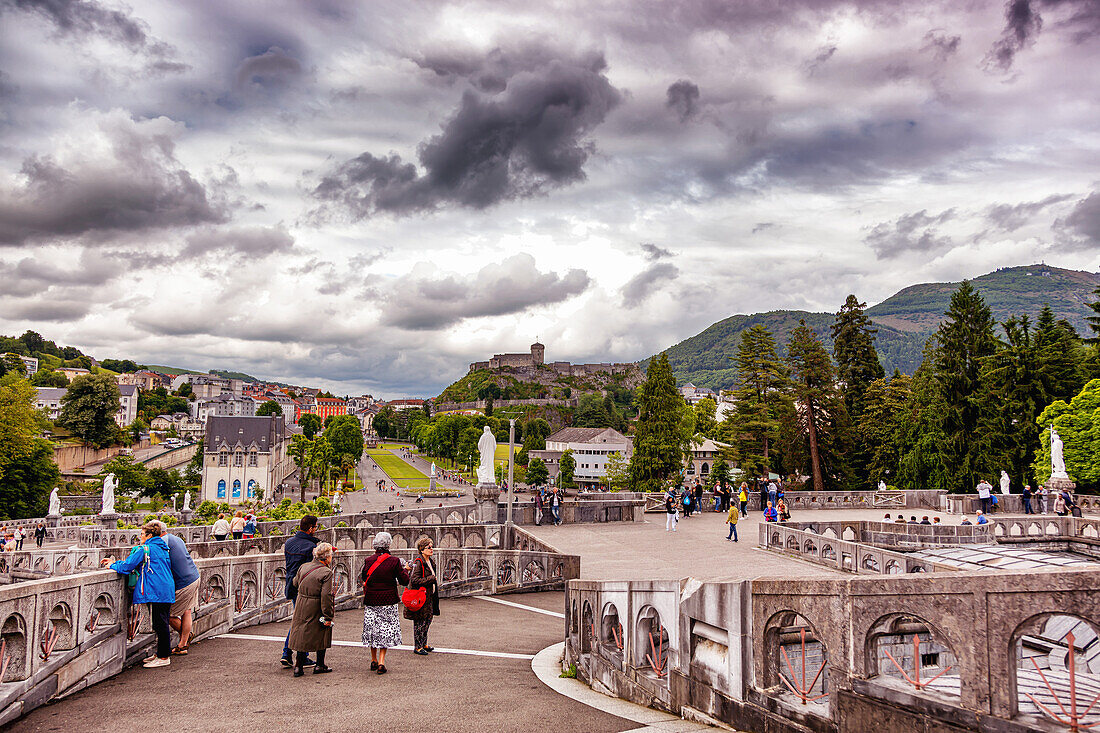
x=328, y=456
x=974, y=407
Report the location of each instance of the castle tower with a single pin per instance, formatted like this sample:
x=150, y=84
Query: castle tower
x=538, y=354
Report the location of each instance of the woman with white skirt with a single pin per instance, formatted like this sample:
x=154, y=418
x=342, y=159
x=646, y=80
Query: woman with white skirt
x=381, y=621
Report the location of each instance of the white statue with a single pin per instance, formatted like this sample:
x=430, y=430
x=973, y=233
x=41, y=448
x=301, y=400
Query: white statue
x=487, y=447
x=881, y=485
x=186, y=501
x=55, y=503
x=1005, y=482
x=433, y=469
x=1057, y=462
x=109, y=485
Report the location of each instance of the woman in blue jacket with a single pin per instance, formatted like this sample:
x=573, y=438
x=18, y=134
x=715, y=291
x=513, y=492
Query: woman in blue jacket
x=154, y=586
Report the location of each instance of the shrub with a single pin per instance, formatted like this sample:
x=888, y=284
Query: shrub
x=171, y=521
x=341, y=524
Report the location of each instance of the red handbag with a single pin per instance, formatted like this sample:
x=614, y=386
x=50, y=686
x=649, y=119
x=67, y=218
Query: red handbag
x=414, y=598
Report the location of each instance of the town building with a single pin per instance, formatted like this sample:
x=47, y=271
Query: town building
x=145, y=380
x=225, y=405
x=244, y=457
x=591, y=448
x=331, y=407
x=288, y=406
x=49, y=401
x=208, y=386
x=693, y=395
x=537, y=360
x=703, y=455
x=406, y=404
x=72, y=373
x=30, y=363
x=360, y=403
x=185, y=427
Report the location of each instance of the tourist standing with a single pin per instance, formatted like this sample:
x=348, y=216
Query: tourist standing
x=1044, y=496
x=154, y=586
x=381, y=624
x=769, y=513
x=40, y=534
x=1025, y=496
x=685, y=498
x=237, y=525
x=783, y=514
x=250, y=527
x=220, y=530
x=731, y=520
x=20, y=535
x=743, y=499
x=555, y=505
x=671, y=510
x=423, y=576
x=311, y=626
x=1059, y=505
x=773, y=493
x=297, y=551
x=984, y=489
x=698, y=498
x=185, y=578
x=538, y=507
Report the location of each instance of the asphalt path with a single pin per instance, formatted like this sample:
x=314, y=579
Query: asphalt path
x=237, y=684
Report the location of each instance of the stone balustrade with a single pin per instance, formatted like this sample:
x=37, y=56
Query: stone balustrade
x=799, y=500
x=851, y=555
x=809, y=654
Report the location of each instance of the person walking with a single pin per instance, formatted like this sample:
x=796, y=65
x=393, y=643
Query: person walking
x=311, y=626
x=743, y=499
x=297, y=551
x=423, y=576
x=185, y=578
x=671, y=511
x=154, y=586
x=1025, y=496
x=381, y=624
x=731, y=520
x=220, y=530
x=250, y=527
x=237, y=525
x=40, y=534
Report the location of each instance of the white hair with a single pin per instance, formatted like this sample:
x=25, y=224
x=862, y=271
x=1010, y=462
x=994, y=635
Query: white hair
x=382, y=541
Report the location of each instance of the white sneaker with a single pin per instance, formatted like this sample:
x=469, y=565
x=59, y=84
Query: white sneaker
x=158, y=662
x=149, y=658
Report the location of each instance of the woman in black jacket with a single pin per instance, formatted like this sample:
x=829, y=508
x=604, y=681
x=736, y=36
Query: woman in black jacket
x=381, y=624
x=423, y=576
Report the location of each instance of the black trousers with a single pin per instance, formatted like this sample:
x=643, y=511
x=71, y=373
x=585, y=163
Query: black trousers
x=303, y=657
x=420, y=632
x=161, y=629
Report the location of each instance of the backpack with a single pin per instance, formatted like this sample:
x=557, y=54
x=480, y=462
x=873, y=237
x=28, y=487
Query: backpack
x=132, y=578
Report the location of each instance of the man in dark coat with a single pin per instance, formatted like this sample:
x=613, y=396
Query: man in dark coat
x=311, y=627
x=298, y=550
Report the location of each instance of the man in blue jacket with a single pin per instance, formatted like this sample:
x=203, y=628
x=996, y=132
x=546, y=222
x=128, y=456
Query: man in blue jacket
x=154, y=586
x=298, y=550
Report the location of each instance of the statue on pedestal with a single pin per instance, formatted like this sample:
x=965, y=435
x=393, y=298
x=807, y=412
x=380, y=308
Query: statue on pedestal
x=186, y=501
x=109, y=485
x=487, y=447
x=55, y=503
x=1006, y=482
x=1057, y=461
x=432, y=474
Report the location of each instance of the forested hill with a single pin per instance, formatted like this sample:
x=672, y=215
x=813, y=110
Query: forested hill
x=904, y=321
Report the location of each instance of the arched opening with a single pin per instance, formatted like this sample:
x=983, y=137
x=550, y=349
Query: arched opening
x=588, y=629
x=236, y=488
x=13, y=636
x=252, y=485
x=704, y=470
x=533, y=572
x=506, y=573
x=611, y=630
x=245, y=595
x=573, y=618
x=103, y=611
x=912, y=652
x=796, y=662
x=481, y=569
x=453, y=573
x=221, y=489
x=1054, y=654
x=60, y=621
x=651, y=643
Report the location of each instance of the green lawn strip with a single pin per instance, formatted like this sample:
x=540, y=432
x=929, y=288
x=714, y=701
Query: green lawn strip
x=400, y=472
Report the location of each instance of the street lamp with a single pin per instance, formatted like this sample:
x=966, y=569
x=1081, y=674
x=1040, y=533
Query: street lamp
x=511, y=465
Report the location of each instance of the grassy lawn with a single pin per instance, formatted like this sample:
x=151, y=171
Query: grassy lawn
x=394, y=446
x=502, y=452
x=400, y=472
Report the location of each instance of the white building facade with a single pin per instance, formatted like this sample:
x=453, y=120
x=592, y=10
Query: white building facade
x=591, y=448
x=244, y=457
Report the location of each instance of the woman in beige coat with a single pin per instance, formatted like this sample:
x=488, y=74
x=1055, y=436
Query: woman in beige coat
x=311, y=627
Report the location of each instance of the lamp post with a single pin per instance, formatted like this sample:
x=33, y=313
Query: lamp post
x=511, y=465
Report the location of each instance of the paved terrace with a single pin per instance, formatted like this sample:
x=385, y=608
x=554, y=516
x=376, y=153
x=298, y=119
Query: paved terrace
x=234, y=682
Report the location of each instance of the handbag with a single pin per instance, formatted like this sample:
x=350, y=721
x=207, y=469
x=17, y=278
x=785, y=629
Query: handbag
x=415, y=598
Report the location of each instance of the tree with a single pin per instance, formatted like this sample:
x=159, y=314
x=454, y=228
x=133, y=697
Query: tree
x=617, y=471
x=923, y=464
x=537, y=473
x=886, y=410
x=300, y=448
x=164, y=483
x=345, y=436
x=193, y=472
x=270, y=407
x=659, y=441
x=133, y=478
x=384, y=422
x=821, y=414
x=347, y=464
x=311, y=425
x=27, y=468
x=965, y=340
x=137, y=427
x=706, y=422
x=1094, y=320
x=719, y=472
x=1078, y=425
x=1060, y=357
x=13, y=364
x=760, y=399
x=858, y=366
x=89, y=407
x=567, y=464
x=591, y=412
x=49, y=378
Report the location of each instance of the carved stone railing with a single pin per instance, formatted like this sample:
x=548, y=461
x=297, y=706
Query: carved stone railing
x=846, y=555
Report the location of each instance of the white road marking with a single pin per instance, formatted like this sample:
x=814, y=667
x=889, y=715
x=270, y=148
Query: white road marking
x=403, y=647
x=543, y=611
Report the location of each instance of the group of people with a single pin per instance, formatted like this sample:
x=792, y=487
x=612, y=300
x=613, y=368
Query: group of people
x=164, y=576
x=690, y=499
x=12, y=539
x=1064, y=504
x=310, y=588
x=548, y=499
x=242, y=527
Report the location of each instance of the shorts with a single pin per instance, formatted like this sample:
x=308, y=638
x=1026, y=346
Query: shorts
x=185, y=599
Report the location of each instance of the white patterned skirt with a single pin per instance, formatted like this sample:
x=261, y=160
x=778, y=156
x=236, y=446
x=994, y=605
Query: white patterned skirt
x=381, y=627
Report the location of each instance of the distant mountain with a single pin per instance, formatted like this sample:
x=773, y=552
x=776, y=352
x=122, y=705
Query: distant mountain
x=904, y=320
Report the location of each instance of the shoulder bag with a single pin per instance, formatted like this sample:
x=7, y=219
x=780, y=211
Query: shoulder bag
x=415, y=598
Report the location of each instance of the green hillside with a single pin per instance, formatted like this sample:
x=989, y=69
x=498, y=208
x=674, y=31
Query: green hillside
x=905, y=320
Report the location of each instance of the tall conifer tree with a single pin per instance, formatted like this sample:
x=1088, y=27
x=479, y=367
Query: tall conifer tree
x=759, y=399
x=821, y=415
x=858, y=366
x=659, y=439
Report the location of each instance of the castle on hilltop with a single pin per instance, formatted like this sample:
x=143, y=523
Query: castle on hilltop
x=537, y=360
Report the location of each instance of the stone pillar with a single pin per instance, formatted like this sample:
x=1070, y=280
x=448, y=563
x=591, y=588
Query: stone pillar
x=486, y=497
x=185, y=516
x=53, y=520
x=109, y=521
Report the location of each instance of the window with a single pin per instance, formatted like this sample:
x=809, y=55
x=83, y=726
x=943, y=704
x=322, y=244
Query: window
x=237, y=489
x=238, y=459
x=930, y=660
x=253, y=459
x=221, y=489
x=252, y=488
x=223, y=459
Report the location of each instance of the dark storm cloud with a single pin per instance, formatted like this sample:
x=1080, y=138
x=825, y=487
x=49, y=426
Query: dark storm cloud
x=1011, y=217
x=682, y=97
x=52, y=310
x=941, y=44
x=490, y=72
x=910, y=233
x=638, y=289
x=1084, y=222
x=85, y=17
x=520, y=143
x=512, y=286
x=1023, y=24
x=251, y=242
x=653, y=253
x=272, y=69
x=823, y=54
x=140, y=185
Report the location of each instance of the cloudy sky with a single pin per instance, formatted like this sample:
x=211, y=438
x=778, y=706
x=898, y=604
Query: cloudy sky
x=367, y=196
